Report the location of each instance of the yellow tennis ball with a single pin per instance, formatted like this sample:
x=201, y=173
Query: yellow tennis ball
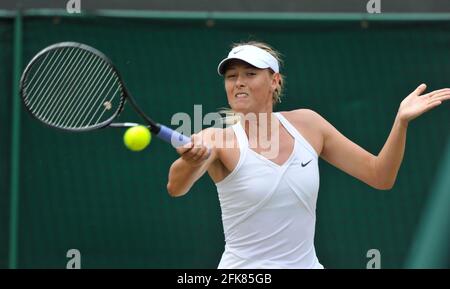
x=137, y=138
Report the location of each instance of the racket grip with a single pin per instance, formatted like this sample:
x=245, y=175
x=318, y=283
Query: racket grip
x=173, y=137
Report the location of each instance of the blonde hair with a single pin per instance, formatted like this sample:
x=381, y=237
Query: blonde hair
x=230, y=115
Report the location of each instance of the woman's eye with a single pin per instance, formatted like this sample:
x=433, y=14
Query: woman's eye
x=231, y=76
x=251, y=73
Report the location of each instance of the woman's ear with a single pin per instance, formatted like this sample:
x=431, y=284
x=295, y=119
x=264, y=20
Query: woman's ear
x=275, y=81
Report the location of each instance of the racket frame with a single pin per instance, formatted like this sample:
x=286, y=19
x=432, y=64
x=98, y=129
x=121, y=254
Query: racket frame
x=124, y=93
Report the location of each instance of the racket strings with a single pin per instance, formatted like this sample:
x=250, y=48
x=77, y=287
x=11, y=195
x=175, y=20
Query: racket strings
x=76, y=105
x=69, y=99
x=91, y=106
x=62, y=77
x=71, y=87
x=49, y=67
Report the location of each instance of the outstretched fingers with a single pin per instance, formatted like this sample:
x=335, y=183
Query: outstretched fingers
x=442, y=96
x=436, y=92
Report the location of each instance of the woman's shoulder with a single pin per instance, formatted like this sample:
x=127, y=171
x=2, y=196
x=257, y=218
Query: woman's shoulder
x=303, y=116
x=310, y=125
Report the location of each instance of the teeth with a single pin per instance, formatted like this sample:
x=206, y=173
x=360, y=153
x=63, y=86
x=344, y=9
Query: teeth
x=241, y=95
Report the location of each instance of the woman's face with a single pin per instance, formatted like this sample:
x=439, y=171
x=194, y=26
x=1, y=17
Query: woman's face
x=249, y=89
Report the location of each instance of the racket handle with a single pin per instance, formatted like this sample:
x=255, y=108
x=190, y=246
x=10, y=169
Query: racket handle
x=173, y=137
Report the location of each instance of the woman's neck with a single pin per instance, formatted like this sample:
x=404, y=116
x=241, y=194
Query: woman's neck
x=260, y=127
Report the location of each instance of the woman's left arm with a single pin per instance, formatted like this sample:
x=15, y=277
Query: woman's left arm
x=390, y=157
x=379, y=171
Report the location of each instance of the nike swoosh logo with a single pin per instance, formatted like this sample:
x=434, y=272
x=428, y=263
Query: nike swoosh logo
x=237, y=51
x=304, y=165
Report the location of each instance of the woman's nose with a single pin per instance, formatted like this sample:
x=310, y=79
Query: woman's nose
x=239, y=81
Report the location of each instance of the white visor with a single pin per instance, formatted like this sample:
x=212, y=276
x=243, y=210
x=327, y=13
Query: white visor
x=252, y=55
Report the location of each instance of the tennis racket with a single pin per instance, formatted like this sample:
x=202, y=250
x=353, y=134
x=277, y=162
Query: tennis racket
x=74, y=87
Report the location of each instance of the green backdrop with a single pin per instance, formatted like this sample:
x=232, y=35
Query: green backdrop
x=86, y=191
x=6, y=34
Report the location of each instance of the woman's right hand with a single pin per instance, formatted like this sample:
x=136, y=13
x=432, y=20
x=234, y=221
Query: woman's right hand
x=194, y=153
x=195, y=158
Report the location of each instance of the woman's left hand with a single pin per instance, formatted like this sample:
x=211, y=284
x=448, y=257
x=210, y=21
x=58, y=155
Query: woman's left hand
x=416, y=104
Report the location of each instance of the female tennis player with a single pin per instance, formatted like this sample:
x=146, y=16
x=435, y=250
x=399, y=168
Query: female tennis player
x=268, y=200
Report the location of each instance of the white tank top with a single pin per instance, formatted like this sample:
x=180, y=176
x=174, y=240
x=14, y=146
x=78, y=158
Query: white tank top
x=269, y=210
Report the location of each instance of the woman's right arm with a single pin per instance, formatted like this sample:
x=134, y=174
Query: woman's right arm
x=193, y=162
